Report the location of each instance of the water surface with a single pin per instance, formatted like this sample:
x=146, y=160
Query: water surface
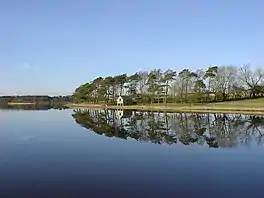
x=98, y=153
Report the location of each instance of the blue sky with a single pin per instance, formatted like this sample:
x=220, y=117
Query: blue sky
x=53, y=46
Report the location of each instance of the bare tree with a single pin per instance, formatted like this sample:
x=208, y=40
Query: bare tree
x=143, y=78
x=252, y=80
x=224, y=81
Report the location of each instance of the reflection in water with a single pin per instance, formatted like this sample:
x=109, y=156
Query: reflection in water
x=214, y=130
x=49, y=156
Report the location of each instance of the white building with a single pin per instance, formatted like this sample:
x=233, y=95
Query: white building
x=123, y=100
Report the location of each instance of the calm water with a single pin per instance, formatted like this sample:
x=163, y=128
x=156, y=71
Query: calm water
x=95, y=153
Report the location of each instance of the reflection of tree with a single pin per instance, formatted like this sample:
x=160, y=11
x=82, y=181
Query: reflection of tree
x=101, y=122
x=214, y=130
x=255, y=126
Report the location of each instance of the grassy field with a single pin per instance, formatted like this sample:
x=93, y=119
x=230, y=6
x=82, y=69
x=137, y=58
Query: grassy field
x=254, y=103
x=250, y=103
x=253, y=106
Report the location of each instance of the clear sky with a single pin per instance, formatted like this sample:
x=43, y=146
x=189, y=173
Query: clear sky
x=53, y=46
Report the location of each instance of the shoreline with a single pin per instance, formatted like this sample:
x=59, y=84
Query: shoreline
x=166, y=108
x=20, y=103
x=175, y=109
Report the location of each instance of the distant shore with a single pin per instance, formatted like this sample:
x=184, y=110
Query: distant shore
x=20, y=103
x=206, y=108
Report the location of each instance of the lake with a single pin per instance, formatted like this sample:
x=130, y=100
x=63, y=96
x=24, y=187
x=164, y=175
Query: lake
x=99, y=153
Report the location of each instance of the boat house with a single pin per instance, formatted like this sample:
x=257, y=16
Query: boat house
x=124, y=100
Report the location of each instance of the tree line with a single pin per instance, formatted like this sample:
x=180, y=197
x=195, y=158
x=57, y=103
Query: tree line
x=36, y=99
x=214, y=84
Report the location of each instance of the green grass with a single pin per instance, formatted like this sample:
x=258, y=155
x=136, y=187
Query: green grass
x=249, y=103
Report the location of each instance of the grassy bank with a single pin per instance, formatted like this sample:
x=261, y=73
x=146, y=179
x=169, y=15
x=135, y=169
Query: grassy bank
x=253, y=106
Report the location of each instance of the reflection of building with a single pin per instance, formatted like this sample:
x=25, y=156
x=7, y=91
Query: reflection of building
x=123, y=118
x=123, y=100
x=121, y=113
